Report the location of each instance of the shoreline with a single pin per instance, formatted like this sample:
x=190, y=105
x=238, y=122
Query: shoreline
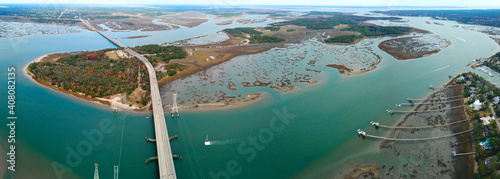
x=399, y=55
x=248, y=100
x=113, y=101
x=461, y=166
x=343, y=70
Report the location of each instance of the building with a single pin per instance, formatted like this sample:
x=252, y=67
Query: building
x=476, y=105
x=485, y=144
x=496, y=100
x=486, y=120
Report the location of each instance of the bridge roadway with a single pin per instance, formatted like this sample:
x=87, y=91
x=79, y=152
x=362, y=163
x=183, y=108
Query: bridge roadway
x=165, y=160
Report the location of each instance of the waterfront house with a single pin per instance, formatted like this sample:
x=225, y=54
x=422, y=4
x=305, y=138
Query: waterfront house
x=476, y=105
x=485, y=144
x=496, y=100
x=486, y=120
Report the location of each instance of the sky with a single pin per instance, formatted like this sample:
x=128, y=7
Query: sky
x=459, y=3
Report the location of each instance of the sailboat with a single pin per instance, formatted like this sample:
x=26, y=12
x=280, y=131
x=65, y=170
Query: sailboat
x=207, y=142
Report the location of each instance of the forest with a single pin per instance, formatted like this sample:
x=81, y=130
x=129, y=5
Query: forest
x=378, y=30
x=273, y=28
x=161, y=53
x=93, y=74
x=344, y=39
x=317, y=23
x=368, y=31
x=255, y=36
x=238, y=32
x=265, y=39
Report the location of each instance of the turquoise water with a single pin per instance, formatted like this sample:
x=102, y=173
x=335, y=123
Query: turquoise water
x=317, y=139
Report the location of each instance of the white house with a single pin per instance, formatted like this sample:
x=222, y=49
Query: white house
x=476, y=105
x=496, y=100
x=486, y=120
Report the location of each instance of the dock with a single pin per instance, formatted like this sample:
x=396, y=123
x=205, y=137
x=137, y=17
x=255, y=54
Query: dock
x=362, y=133
x=376, y=124
x=454, y=153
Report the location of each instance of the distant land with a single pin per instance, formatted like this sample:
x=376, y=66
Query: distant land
x=487, y=17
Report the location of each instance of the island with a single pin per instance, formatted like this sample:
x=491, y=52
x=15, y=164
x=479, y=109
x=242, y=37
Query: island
x=114, y=77
x=109, y=76
x=413, y=47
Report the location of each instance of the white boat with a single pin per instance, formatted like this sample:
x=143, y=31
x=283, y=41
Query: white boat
x=207, y=142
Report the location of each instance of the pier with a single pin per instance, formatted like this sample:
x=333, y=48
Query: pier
x=454, y=153
x=437, y=102
x=392, y=111
x=164, y=152
x=376, y=124
x=451, y=97
x=362, y=133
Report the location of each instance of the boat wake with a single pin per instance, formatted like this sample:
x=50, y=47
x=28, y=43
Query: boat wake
x=221, y=142
x=463, y=40
x=442, y=68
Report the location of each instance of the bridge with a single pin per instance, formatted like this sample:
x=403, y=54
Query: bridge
x=164, y=152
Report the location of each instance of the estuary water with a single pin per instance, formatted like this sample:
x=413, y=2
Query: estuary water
x=306, y=133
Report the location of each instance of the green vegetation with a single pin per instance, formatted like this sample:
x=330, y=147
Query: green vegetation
x=265, y=39
x=290, y=30
x=172, y=69
x=368, y=31
x=344, y=39
x=161, y=53
x=248, y=30
x=273, y=28
x=171, y=72
x=255, y=36
x=484, y=92
x=378, y=30
x=235, y=33
x=175, y=66
x=493, y=62
x=238, y=32
x=317, y=23
x=55, y=21
x=93, y=74
x=330, y=22
x=128, y=23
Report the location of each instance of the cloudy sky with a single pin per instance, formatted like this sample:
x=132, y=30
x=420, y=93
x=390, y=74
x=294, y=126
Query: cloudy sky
x=460, y=3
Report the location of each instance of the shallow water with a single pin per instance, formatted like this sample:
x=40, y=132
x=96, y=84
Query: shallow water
x=316, y=135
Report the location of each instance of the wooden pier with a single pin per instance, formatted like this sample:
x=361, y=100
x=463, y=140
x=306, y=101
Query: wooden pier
x=418, y=139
